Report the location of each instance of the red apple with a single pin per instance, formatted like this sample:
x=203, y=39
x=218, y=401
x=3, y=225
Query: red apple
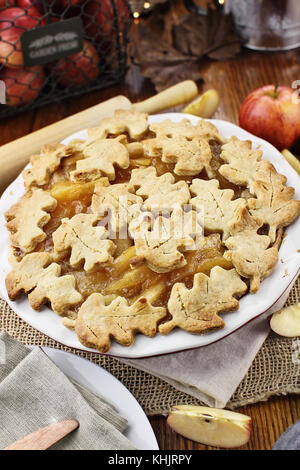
x=59, y=6
x=271, y=112
x=22, y=85
x=123, y=13
x=78, y=69
x=22, y=3
x=69, y=3
x=13, y=22
x=99, y=21
x=5, y=3
x=38, y=4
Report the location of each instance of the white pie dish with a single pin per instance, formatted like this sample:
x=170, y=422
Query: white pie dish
x=251, y=306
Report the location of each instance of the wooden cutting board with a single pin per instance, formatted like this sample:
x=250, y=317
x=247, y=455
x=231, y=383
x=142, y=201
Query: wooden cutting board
x=15, y=155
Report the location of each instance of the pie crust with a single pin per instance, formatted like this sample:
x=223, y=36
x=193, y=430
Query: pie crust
x=146, y=228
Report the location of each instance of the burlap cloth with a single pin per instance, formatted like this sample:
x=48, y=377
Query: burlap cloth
x=275, y=370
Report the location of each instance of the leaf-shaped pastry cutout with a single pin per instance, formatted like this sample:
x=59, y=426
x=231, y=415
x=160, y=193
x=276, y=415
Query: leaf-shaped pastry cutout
x=88, y=243
x=217, y=204
x=118, y=202
x=203, y=129
x=162, y=248
x=158, y=192
x=190, y=156
x=251, y=254
x=42, y=278
x=196, y=310
x=97, y=322
x=241, y=161
x=45, y=164
x=274, y=205
x=27, y=217
x=131, y=122
x=101, y=156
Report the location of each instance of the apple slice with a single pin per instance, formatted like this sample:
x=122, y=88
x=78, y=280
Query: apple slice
x=210, y=426
x=292, y=160
x=205, y=105
x=286, y=322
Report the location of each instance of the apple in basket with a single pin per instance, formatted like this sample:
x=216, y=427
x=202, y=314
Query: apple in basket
x=22, y=85
x=71, y=3
x=13, y=22
x=29, y=3
x=99, y=21
x=273, y=113
x=60, y=6
x=78, y=69
x=6, y=3
x=22, y=3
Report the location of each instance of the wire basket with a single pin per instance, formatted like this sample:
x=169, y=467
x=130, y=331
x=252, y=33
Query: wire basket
x=101, y=61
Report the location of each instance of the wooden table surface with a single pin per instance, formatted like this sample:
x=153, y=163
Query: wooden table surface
x=234, y=79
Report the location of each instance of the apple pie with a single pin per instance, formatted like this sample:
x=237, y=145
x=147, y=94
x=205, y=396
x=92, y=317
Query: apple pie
x=146, y=228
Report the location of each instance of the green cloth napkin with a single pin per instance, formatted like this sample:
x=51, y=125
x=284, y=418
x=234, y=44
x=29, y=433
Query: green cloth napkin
x=35, y=393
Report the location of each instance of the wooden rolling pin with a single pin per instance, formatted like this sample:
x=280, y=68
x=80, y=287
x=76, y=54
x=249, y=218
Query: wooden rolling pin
x=15, y=155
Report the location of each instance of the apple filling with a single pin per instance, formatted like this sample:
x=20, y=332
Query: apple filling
x=120, y=278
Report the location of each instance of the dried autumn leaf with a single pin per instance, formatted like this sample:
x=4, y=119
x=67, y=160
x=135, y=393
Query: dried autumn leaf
x=158, y=59
x=212, y=34
x=169, y=54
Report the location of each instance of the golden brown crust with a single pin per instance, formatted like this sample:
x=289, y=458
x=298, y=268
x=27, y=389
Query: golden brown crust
x=203, y=129
x=101, y=156
x=97, y=322
x=40, y=277
x=218, y=205
x=133, y=123
x=45, y=164
x=196, y=310
x=158, y=192
x=26, y=219
x=251, y=254
x=190, y=156
x=88, y=244
x=109, y=199
x=115, y=184
x=274, y=205
x=163, y=247
x=241, y=161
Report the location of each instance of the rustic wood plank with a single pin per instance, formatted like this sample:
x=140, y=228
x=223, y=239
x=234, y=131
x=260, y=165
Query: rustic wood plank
x=269, y=420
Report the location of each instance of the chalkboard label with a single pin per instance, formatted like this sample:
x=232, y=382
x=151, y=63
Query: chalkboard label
x=51, y=42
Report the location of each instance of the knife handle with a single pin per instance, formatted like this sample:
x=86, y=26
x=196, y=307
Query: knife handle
x=45, y=437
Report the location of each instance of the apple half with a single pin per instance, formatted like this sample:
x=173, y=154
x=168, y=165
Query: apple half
x=286, y=322
x=210, y=426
